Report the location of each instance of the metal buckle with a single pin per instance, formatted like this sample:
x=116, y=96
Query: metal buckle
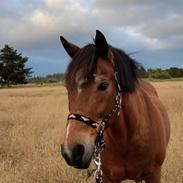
x=100, y=126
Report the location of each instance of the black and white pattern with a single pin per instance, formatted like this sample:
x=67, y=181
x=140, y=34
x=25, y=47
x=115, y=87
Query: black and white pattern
x=84, y=119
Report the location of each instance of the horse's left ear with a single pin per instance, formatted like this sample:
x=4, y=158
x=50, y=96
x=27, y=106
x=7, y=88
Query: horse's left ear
x=102, y=47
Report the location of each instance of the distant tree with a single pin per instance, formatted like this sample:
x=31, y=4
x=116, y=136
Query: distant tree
x=142, y=73
x=51, y=78
x=175, y=72
x=56, y=76
x=1, y=71
x=12, y=67
x=158, y=74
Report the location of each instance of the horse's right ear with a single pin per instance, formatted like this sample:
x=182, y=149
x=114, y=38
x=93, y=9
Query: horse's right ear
x=101, y=44
x=70, y=48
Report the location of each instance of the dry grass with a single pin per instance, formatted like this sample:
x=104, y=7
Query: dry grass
x=32, y=124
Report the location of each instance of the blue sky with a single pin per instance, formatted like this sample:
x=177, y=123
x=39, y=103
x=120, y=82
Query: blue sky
x=151, y=28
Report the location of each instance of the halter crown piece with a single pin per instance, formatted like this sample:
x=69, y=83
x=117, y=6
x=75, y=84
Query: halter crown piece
x=100, y=127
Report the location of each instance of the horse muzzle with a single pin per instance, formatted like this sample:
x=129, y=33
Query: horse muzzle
x=78, y=157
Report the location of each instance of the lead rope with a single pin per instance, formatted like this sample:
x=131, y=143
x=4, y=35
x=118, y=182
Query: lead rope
x=99, y=147
x=97, y=160
x=100, y=143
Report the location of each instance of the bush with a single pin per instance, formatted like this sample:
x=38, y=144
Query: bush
x=51, y=80
x=175, y=72
x=159, y=74
x=142, y=73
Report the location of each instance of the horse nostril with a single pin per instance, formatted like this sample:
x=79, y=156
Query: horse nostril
x=78, y=153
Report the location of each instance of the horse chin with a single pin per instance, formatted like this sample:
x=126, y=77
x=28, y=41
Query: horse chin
x=84, y=165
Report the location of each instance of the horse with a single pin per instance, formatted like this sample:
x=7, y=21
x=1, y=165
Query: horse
x=101, y=81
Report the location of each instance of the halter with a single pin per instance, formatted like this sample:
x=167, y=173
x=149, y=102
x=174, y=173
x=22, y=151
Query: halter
x=100, y=126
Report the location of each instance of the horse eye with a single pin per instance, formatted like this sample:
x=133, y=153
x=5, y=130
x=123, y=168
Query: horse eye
x=103, y=86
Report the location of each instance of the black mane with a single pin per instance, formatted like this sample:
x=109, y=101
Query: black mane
x=85, y=61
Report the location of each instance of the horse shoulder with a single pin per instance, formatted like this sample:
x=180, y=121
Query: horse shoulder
x=147, y=121
x=151, y=95
x=157, y=119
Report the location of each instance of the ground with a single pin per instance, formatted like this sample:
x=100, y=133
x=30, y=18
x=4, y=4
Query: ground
x=32, y=125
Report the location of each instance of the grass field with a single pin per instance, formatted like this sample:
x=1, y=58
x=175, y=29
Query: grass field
x=32, y=124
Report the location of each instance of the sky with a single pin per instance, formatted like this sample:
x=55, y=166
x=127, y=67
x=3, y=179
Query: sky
x=151, y=31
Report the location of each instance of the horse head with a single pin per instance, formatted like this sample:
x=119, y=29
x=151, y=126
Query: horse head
x=91, y=86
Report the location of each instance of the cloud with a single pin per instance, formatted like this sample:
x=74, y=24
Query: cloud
x=156, y=20
x=41, y=24
x=34, y=26
x=143, y=19
x=164, y=28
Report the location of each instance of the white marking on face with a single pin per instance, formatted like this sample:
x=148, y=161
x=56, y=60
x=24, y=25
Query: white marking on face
x=66, y=139
x=80, y=82
x=79, y=90
x=78, y=76
x=67, y=131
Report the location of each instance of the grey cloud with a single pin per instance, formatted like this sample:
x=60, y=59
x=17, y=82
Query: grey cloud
x=34, y=26
x=160, y=20
x=163, y=28
x=175, y=5
x=18, y=8
x=41, y=25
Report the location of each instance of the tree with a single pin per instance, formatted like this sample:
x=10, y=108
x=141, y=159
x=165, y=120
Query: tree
x=158, y=74
x=141, y=72
x=175, y=72
x=12, y=67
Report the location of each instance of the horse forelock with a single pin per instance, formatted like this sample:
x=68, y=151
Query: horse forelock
x=81, y=67
x=84, y=63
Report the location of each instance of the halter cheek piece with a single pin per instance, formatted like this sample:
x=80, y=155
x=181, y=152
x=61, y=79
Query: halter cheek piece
x=100, y=126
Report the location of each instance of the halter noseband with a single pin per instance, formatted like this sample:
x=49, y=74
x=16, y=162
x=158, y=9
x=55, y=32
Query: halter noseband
x=100, y=126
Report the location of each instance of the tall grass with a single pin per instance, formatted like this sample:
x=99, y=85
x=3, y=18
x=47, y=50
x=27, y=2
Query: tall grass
x=32, y=125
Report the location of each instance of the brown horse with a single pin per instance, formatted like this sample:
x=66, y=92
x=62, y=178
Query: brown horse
x=137, y=138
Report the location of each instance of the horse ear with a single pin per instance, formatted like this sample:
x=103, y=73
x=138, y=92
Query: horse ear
x=70, y=48
x=102, y=47
x=101, y=44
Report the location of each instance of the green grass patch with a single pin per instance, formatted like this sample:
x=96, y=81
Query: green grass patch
x=162, y=80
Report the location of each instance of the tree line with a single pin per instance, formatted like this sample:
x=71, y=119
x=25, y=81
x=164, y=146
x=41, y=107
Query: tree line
x=172, y=72
x=51, y=78
x=13, y=70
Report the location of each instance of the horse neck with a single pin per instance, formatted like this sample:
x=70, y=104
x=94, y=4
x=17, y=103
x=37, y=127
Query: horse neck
x=130, y=122
x=116, y=133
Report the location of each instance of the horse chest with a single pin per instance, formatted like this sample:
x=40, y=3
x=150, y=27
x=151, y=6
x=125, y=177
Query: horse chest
x=122, y=165
x=117, y=170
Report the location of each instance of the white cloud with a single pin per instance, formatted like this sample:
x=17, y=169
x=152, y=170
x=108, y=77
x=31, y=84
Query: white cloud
x=42, y=24
x=40, y=18
x=55, y=3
